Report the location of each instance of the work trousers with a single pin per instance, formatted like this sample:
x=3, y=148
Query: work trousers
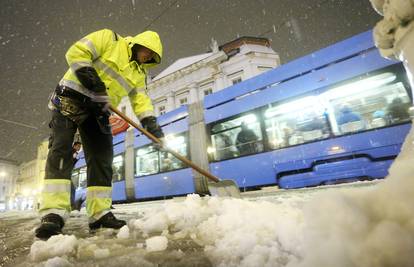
x=96, y=136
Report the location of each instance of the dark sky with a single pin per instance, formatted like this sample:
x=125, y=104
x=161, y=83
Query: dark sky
x=35, y=35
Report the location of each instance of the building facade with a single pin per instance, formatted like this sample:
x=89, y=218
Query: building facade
x=8, y=177
x=29, y=180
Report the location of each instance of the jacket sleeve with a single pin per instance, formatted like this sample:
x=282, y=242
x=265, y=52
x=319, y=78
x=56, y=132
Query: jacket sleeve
x=141, y=103
x=81, y=55
x=88, y=49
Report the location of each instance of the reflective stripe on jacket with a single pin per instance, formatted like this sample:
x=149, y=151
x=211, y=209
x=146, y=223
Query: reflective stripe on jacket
x=110, y=54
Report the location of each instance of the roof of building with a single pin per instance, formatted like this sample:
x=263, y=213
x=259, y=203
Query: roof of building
x=227, y=48
x=181, y=63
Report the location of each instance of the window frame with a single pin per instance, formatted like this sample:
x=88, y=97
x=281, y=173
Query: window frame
x=261, y=141
x=123, y=178
x=159, y=171
x=86, y=177
x=136, y=158
x=401, y=76
x=207, y=91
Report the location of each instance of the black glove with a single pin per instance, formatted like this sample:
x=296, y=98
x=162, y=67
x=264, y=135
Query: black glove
x=100, y=104
x=89, y=78
x=150, y=124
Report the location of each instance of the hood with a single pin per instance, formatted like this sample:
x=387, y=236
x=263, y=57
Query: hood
x=150, y=40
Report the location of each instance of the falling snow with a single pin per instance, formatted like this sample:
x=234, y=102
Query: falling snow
x=34, y=41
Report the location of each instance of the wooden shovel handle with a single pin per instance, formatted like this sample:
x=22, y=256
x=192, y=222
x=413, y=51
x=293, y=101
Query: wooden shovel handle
x=158, y=141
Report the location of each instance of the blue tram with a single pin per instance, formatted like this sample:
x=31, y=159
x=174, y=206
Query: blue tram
x=337, y=115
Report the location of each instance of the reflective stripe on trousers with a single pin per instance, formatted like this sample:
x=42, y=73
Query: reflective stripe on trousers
x=55, y=195
x=98, y=201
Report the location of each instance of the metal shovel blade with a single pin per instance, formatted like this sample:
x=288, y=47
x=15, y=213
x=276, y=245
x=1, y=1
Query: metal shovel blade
x=224, y=188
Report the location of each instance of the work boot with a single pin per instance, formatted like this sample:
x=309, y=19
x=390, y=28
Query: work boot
x=107, y=221
x=51, y=224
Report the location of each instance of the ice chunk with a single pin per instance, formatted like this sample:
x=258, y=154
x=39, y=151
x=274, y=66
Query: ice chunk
x=123, y=232
x=57, y=245
x=154, y=223
x=156, y=243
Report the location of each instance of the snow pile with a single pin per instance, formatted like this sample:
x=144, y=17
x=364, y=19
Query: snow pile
x=398, y=15
x=229, y=232
x=57, y=245
x=156, y=243
x=233, y=232
x=374, y=227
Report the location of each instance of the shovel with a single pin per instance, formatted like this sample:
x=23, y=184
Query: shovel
x=222, y=188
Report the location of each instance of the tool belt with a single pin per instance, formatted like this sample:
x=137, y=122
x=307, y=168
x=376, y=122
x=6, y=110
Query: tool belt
x=76, y=107
x=70, y=103
x=65, y=91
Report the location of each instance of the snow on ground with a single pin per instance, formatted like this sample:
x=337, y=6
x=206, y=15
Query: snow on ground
x=362, y=224
x=233, y=232
x=374, y=227
x=220, y=232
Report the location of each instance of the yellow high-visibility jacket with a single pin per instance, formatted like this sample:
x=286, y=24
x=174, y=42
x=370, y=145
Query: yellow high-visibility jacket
x=110, y=55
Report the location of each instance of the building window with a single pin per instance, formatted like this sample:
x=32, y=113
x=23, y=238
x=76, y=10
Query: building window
x=236, y=77
x=208, y=91
x=181, y=98
x=206, y=88
x=183, y=101
x=161, y=110
x=236, y=80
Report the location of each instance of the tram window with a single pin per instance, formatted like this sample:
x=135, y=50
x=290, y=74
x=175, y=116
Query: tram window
x=295, y=122
x=369, y=103
x=177, y=143
x=82, y=177
x=146, y=161
x=236, y=137
x=75, y=177
x=118, y=170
